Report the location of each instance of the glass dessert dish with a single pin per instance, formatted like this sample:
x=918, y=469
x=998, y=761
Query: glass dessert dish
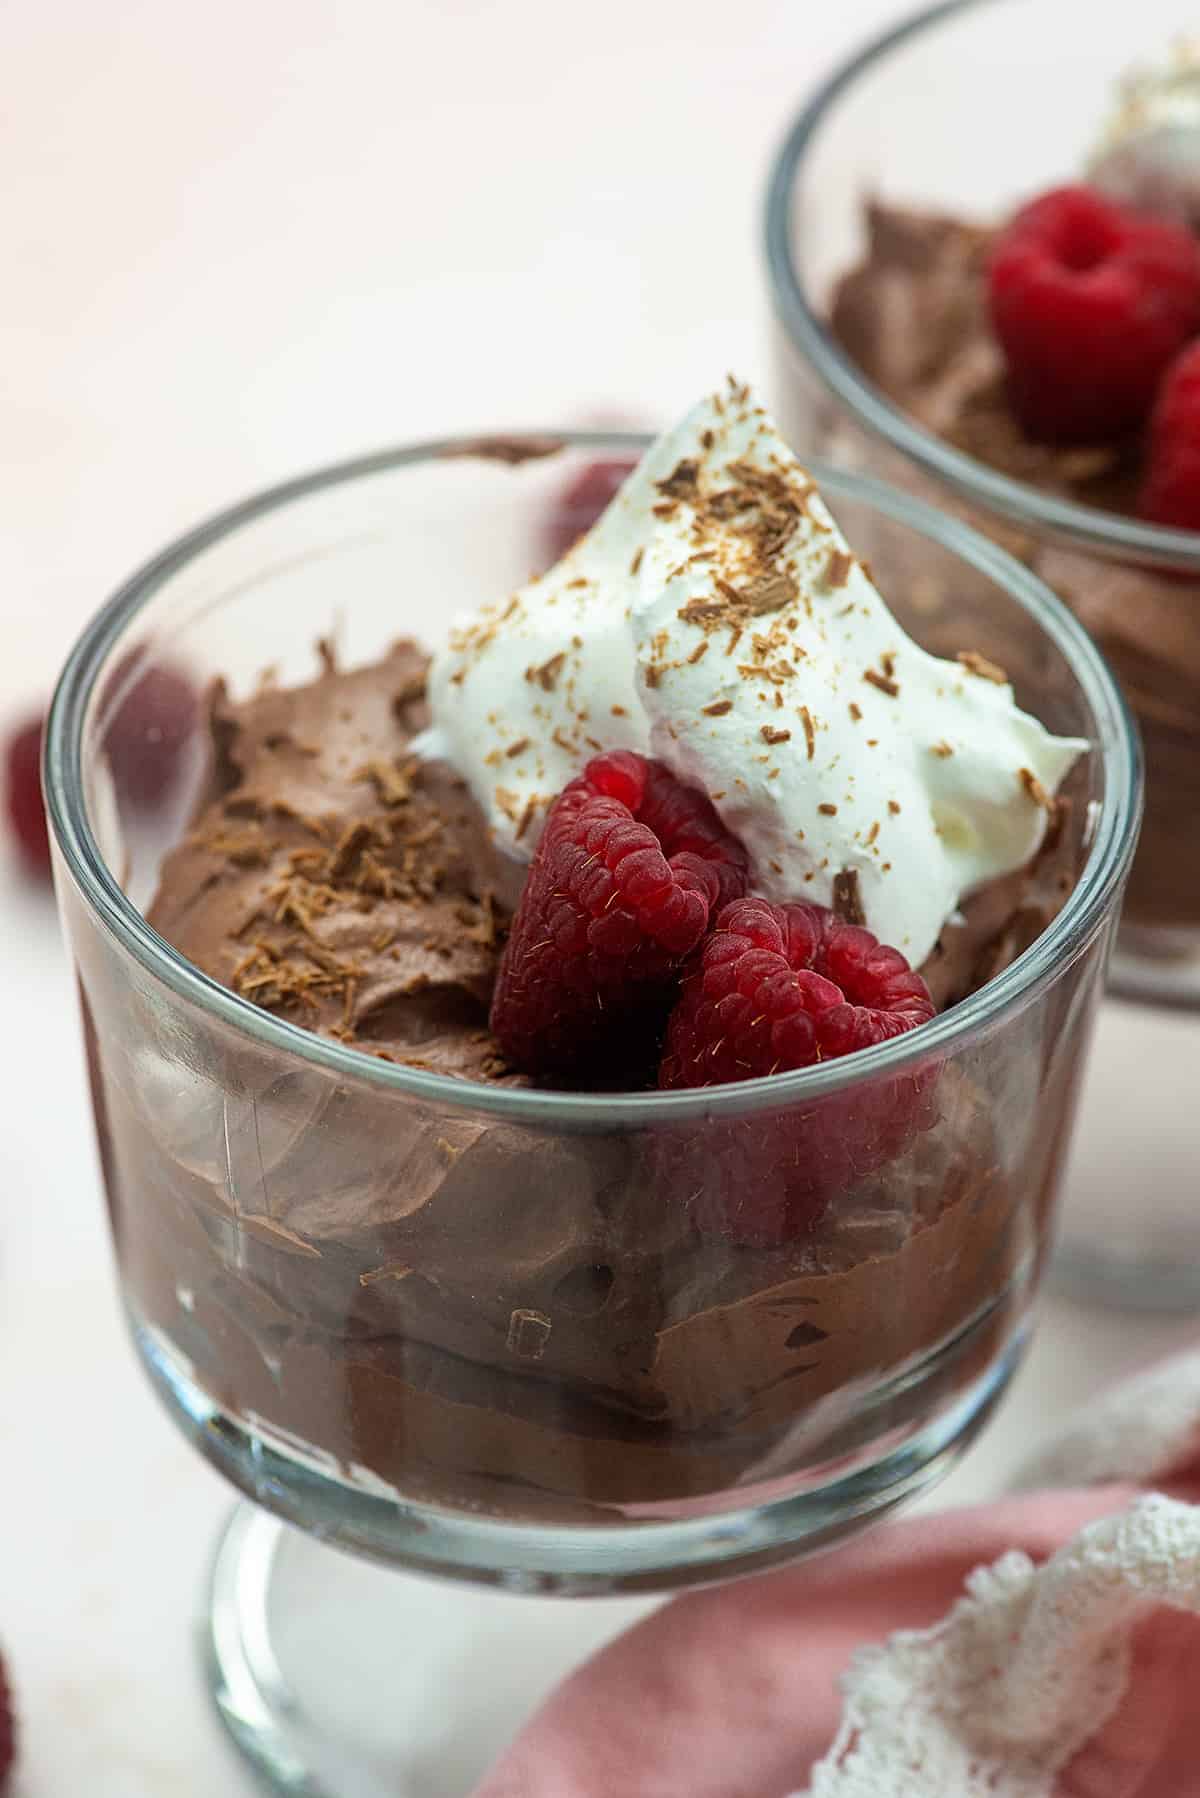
x=921, y=121
x=464, y=1326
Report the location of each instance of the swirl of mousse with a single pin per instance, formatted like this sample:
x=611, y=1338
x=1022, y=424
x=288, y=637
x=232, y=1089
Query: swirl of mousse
x=715, y=618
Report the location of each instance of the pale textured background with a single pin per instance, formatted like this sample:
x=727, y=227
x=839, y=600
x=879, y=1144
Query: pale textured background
x=238, y=240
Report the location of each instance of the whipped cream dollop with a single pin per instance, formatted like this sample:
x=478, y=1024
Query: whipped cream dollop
x=1149, y=154
x=715, y=617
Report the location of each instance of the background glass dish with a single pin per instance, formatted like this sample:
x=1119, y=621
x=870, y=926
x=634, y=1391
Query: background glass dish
x=295, y=1352
x=964, y=109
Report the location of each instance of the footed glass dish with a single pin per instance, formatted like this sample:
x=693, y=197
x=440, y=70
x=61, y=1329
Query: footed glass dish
x=467, y=1328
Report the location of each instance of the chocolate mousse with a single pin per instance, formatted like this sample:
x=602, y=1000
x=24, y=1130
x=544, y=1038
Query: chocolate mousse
x=913, y=316
x=335, y=880
x=501, y=1316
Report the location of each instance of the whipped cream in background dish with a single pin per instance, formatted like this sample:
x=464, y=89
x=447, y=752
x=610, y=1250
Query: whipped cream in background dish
x=715, y=618
x=1149, y=154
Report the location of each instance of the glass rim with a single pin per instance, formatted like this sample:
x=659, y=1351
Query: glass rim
x=1057, y=947
x=1107, y=533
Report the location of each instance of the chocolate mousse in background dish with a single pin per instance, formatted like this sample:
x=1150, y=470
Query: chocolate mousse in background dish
x=922, y=316
x=689, y=808
x=1054, y=341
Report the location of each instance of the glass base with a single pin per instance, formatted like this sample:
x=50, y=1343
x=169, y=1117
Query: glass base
x=340, y=1679
x=336, y=1679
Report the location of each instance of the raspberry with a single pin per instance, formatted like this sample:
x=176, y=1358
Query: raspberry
x=774, y=988
x=582, y=502
x=628, y=870
x=1170, y=491
x=23, y=795
x=8, y=1751
x=1090, y=302
x=148, y=731
x=784, y=986
x=145, y=740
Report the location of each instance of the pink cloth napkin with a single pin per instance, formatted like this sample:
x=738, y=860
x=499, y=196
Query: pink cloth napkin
x=1046, y=1646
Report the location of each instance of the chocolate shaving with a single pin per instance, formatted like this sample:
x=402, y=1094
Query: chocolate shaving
x=248, y=848
x=545, y=674
x=682, y=481
x=703, y=611
x=770, y=734
x=836, y=571
x=1035, y=789
x=485, y=930
x=762, y=506
x=884, y=682
x=770, y=591
x=847, y=897
x=350, y=846
x=273, y=980
x=349, y=994
x=718, y=708
x=970, y=658
x=810, y=733
x=390, y=782
x=527, y=816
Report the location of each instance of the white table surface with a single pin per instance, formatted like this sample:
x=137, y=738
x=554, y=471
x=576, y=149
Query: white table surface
x=239, y=240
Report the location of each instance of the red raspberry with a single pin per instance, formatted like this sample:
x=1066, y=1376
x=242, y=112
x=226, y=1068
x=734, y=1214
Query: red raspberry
x=148, y=731
x=628, y=870
x=1171, y=481
x=8, y=1746
x=23, y=796
x=784, y=986
x=778, y=987
x=1090, y=302
x=581, y=504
